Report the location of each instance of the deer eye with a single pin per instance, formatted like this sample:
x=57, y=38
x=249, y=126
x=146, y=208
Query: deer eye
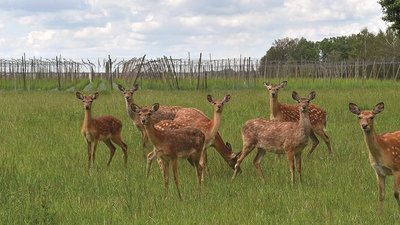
x=359, y=117
x=372, y=117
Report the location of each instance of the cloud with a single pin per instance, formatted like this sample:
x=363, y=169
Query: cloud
x=126, y=28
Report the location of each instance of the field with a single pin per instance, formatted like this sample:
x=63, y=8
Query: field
x=44, y=179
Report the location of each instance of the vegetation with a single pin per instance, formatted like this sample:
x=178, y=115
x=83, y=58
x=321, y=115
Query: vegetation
x=362, y=46
x=391, y=10
x=44, y=179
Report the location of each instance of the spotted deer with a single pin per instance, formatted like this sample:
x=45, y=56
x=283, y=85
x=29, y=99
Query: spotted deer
x=208, y=127
x=183, y=117
x=290, y=113
x=384, y=149
x=172, y=144
x=104, y=128
x=278, y=137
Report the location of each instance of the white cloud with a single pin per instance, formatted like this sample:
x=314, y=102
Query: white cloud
x=129, y=28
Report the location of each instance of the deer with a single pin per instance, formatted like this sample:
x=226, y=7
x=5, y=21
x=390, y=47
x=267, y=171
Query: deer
x=384, y=149
x=182, y=116
x=172, y=144
x=209, y=128
x=104, y=128
x=290, y=113
x=288, y=138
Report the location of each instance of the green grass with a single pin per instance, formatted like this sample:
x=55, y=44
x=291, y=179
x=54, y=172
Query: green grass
x=43, y=161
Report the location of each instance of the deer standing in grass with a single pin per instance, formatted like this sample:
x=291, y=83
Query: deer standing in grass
x=172, y=144
x=278, y=137
x=209, y=128
x=181, y=117
x=290, y=113
x=104, y=128
x=384, y=149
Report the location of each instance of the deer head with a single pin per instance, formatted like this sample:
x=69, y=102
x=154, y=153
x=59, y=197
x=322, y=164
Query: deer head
x=87, y=99
x=303, y=102
x=366, y=117
x=218, y=105
x=274, y=89
x=145, y=113
x=128, y=93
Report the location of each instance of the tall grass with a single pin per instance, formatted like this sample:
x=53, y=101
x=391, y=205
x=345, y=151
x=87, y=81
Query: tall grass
x=43, y=162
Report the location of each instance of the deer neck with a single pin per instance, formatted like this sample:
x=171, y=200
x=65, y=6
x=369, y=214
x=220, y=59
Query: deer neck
x=371, y=140
x=154, y=135
x=274, y=107
x=128, y=103
x=305, y=123
x=215, y=124
x=87, y=120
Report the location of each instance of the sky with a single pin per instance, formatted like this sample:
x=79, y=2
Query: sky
x=218, y=29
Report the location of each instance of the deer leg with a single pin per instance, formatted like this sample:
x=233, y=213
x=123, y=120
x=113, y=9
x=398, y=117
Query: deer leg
x=320, y=132
x=112, y=150
x=260, y=154
x=150, y=157
x=175, y=172
x=93, y=150
x=298, y=166
x=245, y=151
x=315, y=142
x=381, y=188
x=117, y=140
x=203, y=163
x=397, y=186
x=165, y=171
x=290, y=155
x=89, y=150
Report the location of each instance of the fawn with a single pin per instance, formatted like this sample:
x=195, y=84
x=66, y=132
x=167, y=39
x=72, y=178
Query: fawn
x=290, y=113
x=104, y=128
x=278, y=137
x=172, y=144
x=384, y=149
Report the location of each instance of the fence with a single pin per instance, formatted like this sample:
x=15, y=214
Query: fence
x=62, y=72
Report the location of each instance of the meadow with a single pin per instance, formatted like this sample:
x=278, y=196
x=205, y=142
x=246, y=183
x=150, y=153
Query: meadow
x=44, y=178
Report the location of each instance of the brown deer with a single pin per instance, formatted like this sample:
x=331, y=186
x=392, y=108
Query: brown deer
x=164, y=113
x=384, y=149
x=278, y=137
x=209, y=128
x=104, y=128
x=172, y=144
x=182, y=116
x=290, y=113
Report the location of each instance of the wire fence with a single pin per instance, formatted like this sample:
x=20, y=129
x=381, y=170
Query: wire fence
x=61, y=73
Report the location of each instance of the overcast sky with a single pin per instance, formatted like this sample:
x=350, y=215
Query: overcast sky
x=126, y=29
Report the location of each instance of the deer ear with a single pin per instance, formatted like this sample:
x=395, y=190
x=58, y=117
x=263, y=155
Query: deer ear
x=135, y=87
x=79, y=95
x=155, y=107
x=267, y=85
x=295, y=96
x=378, y=108
x=226, y=98
x=283, y=84
x=121, y=88
x=354, y=109
x=135, y=108
x=95, y=95
x=311, y=96
x=210, y=99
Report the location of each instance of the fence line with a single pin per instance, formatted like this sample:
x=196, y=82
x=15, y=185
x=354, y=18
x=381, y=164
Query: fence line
x=198, y=71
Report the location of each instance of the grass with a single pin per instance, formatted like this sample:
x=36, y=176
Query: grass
x=43, y=161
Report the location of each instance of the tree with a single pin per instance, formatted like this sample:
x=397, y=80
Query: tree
x=391, y=11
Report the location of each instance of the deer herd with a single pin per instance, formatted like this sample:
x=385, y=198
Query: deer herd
x=185, y=133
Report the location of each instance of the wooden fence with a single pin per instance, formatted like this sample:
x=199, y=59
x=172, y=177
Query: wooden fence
x=173, y=71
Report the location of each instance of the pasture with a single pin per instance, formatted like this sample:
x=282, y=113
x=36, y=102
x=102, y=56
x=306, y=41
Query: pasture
x=44, y=178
